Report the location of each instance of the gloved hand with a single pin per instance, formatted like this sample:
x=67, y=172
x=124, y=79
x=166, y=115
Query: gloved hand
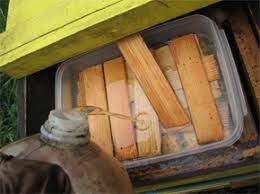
x=30, y=176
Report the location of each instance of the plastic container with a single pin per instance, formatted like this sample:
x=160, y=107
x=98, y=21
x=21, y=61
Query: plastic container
x=217, y=44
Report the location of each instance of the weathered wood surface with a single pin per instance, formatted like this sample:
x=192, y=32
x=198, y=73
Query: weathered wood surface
x=249, y=51
x=92, y=92
x=165, y=60
x=117, y=95
x=215, y=89
x=152, y=80
x=202, y=106
x=169, y=143
x=250, y=130
x=211, y=67
x=148, y=136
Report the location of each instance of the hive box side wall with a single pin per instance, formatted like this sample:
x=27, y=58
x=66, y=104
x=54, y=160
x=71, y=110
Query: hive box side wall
x=87, y=30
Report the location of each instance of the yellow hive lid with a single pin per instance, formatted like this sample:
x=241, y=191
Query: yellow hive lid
x=42, y=33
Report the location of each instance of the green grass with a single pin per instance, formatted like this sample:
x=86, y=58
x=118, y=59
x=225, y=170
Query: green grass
x=8, y=109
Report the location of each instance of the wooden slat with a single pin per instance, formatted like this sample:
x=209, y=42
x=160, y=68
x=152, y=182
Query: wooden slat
x=215, y=88
x=165, y=60
x=178, y=138
x=130, y=84
x=175, y=130
x=152, y=80
x=223, y=109
x=190, y=140
x=117, y=95
x=148, y=141
x=81, y=99
x=209, y=63
x=182, y=98
x=169, y=143
x=92, y=92
x=148, y=136
x=204, y=113
x=211, y=67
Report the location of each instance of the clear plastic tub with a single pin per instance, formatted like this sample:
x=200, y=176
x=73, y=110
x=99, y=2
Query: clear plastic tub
x=213, y=41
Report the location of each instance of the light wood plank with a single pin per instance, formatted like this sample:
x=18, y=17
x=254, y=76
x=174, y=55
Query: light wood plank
x=182, y=98
x=211, y=67
x=165, y=60
x=169, y=143
x=130, y=84
x=223, y=109
x=92, y=93
x=204, y=113
x=148, y=136
x=81, y=91
x=149, y=140
x=215, y=88
x=190, y=140
x=117, y=95
x=209, y=63
x=152, y=80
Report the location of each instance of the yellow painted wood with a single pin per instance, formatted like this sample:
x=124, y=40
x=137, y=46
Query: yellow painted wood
x=41, y=33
